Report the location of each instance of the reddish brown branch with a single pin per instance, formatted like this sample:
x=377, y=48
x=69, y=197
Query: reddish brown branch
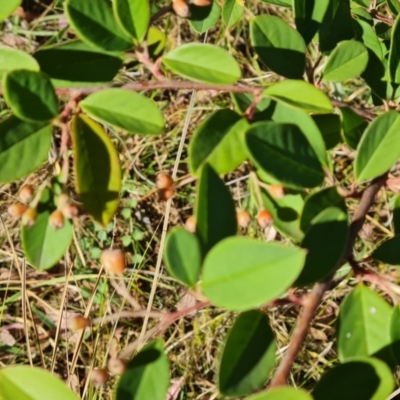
x=313, y=300
x=361, y=112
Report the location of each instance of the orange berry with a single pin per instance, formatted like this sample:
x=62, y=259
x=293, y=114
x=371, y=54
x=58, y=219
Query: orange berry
x=190, y=224
x=70, y=211
x=164, y=181
x=243, y=219
x=99, y=377
x=78, y=322
x=117, y=366
x=277, y=191
x=26, y=193
x=165, y=194
x=181, y=8
x=62, y=200
x=29, y=216
x=113, y=261
x=264, y=218
x=17, y=209
x=56, y=219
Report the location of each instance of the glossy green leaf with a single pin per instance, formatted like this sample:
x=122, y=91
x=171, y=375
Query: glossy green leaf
x=336, y=26
x=232, y=11
x=353, y=127
x=389, y=251
x=370, y=38
x=394, y=54
x=219, y=140
x=11, y=59
x=156, y=41
x=30, y=95
x=242, y=273
x=326, y=242
x=17, y=139
x=330, y=127
x=133, y=16
x=203, y=63
x=309, y=16
x=394, y=6
x=183, y=256
x=318, y=202
x=280, y=47
x=26, y=383
x=97, y=169
x=300, y=94
x=348, y=60
x=44, y=245
x=282, y=393
x=125, y=109
x=203, y=25
x=359, y=379
x=280, y=3
x=94, y=22
x=364, y=325
x=395, y=333
x=375, y=77
x=282, y=151
x=7, y=8
x=147, y=375
x=76, y=63
x=378, y=149
x=248, y=355
x=215, y=210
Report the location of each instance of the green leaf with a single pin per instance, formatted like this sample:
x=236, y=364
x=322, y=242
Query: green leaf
x=395, y=333
x=375, y=77
x=17, y=139
x=30, y=95
x=232, y=11
x=388, y=252
x=318, y=202
x=44, y=245
x=248, y=355
x=96, y=163
x=75, y=63
x=325, y=242
x=183, y=256
x=309, y=16
x=394, y=53
x=353, y=127
x=370, y=39
x=242, y=273
x=280, y=47
x=11, y=59
x=203, y=25
x=7, y=8
x=329, y=126
x=378, y=149
x=94, y=22
x=133, y=16
x=364, y=325
x=156, y=41
x=282, y=393
x=359, y=379
x=394, y=6
x=348, y=60
x=282, y=151
x=215, y=210
x=125, y=109
x=300, y=94
x=337, y=25
x=203, y=63
x=219, y=140
x=25, y=383
x=147, y=375
x=280, y=3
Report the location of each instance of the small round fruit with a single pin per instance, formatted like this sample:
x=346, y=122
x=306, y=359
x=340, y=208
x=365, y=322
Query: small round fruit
x=243, y=219
x=78, y=322
x=277, y=191
x=17, y=209
x=56, y=219
x=99, y=377
x=26, y=194
x=165, y=194
x=29, y=216
x=62, y=200
x=113, y=261
x=164, y=181
x=190, y=224
x=117, y=366
x=70, y=211
x=264, y=219
x=181, y=8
